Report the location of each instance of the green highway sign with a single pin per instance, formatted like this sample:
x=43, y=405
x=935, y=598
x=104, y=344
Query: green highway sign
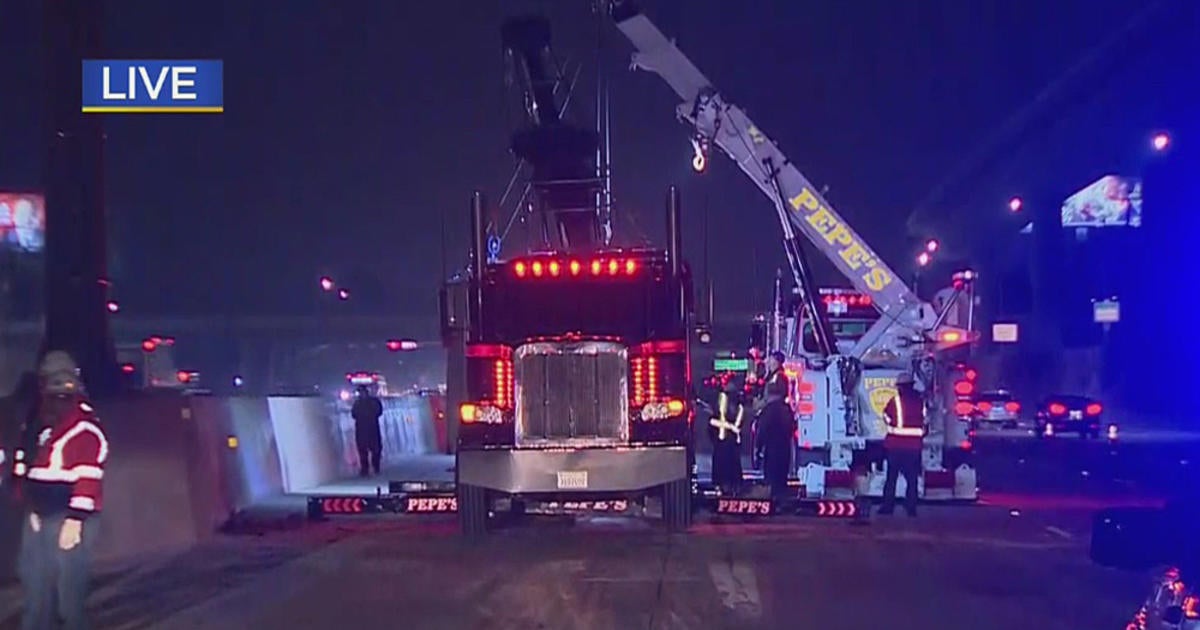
x=731, y=365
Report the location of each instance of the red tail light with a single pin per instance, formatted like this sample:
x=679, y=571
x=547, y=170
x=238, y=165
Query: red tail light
x=645, y=380
x=1012, y=406
x=963, y=408
x=1094, y=409
x=971, y=374
x=490, y=375
x=985, y=407
x=964, y=388
x=1057, y=409
x=657, y=378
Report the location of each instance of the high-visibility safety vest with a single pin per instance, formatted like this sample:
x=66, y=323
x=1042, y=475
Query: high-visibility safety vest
x=906, y=416
x=721, y=421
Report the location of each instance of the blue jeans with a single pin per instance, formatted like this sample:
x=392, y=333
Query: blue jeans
x=55, y=581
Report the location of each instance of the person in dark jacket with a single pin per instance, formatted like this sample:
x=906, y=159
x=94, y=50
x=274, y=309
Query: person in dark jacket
x=366, y=412
x=905, y=415
x=777, y=427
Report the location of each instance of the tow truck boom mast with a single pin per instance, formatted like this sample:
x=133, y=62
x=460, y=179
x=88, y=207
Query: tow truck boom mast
x=802, y=208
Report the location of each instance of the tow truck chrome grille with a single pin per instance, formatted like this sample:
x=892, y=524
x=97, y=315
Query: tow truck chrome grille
x=571, y=393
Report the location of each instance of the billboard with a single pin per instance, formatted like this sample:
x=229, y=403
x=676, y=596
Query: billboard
x=22, y=222
x=1109, y=201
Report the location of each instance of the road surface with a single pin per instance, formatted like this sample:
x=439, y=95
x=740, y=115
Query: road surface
x=1016, y=560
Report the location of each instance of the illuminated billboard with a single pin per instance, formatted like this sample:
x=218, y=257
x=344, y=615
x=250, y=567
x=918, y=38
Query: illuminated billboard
x=22, y=222
x=1108, y=202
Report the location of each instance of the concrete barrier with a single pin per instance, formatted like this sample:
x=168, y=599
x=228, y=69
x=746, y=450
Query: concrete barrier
x=180, y=466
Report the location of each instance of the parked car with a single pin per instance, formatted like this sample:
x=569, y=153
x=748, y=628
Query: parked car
x=997, y=408
x=1064, y=413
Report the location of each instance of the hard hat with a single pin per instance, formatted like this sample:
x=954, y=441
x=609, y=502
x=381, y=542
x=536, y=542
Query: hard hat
x=60, y=374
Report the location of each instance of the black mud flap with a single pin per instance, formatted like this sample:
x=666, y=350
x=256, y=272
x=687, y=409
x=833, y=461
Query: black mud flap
x=473, y=508
x=677, y=505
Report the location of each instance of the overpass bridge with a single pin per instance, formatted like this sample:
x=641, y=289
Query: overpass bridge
x=287, y=353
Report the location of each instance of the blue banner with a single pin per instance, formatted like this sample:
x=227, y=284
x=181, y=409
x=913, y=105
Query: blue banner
x=149, y=86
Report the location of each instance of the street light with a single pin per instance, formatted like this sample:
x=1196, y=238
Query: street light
x=923, y=259
x=1161, y=141
x=326, y=283
x=931, y=245
x=1014, y=204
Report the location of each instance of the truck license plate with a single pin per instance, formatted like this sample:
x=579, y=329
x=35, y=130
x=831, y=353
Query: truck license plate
x=572, y=480
x=1077, y=415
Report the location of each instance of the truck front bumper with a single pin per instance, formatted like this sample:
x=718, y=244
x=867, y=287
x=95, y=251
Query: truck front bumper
x=584, y=470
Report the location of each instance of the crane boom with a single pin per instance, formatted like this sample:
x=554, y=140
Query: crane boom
x=801, y=206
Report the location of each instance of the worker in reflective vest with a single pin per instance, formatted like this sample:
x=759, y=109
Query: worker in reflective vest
x=905, y=414
x=62, y=488
x=776, y=427
x=725, y=433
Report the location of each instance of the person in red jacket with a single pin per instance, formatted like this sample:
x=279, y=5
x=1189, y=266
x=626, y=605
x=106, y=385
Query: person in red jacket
x=62, y=489
x=905, y=415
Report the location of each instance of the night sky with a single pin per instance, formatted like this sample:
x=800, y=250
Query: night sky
x=351, y=129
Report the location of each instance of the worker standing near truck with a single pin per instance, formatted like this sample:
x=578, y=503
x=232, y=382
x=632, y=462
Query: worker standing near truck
x=905, y=414
x=725, y=432
x=63, y=490
x=776, y=426
x=366, y=412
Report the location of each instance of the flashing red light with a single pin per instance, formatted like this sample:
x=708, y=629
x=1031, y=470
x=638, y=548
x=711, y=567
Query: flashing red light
x=1161, y=141
x=519, y=269
x=971, y=374
x=555, y=268
x=1012, y=406
x=128, y=368
x=149, y=345
x=1094, y=409
x=964, y=388
x=963, y=408
x=575, y=267
x=1057, y=409
x=183, y=376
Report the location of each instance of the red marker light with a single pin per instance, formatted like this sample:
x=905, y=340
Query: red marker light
x=519, y=269
x=575, y=267
x=964, y=388
x=555, y=268
x=182, y=376
x=537, y=268
x=971, y=374
x=128, y=368
x=962, y=408
x=630, y=267
x=393, y=345
x=326, y=283
x=149, y=345
x=613, y=267
x=596, y=264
